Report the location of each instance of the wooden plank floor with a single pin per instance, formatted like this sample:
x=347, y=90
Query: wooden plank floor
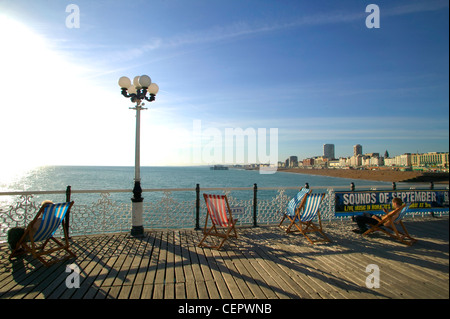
x=263, y=263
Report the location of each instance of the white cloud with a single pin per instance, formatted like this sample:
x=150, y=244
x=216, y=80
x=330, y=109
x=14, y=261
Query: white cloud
x=241, y=29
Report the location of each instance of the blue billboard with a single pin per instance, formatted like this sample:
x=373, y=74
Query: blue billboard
x=353, y=203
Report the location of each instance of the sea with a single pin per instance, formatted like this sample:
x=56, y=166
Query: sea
x=79, y=178
x=169, y=194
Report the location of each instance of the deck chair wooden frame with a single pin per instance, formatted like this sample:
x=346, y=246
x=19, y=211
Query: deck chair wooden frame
x=28, y=243
x=222, y=221
x=389, y=226
x=293, y=206
x=304, y=216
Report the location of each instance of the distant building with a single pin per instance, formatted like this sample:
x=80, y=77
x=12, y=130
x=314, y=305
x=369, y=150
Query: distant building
x=372, y=159
x=372, y=154
x=328, y=151
x=389, y=161
x=356, y=160
x=376, y=161
x=293, y=161
x=334, y=163
x=343, y=161
x=357, y=150
x=403, y=160
x=427, y=161
x=430, y=159
x=308, y=162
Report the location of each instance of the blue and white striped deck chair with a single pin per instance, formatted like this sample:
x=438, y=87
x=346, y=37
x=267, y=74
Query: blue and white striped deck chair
x=388, y=226
x=304, y=219
x=402, y=213
x=50, y=216
x=293, y=205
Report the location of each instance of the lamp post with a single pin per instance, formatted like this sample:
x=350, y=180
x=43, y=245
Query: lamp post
x=137, y=91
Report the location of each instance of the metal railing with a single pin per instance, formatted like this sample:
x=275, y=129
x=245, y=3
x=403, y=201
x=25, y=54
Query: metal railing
x=166, y=208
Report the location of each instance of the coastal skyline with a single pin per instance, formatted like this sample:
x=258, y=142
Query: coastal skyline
x=314, y=71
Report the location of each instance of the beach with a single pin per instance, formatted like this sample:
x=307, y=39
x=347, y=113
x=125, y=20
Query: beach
x=376, y=175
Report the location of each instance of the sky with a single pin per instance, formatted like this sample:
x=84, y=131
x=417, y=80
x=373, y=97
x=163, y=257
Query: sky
x=312, y=71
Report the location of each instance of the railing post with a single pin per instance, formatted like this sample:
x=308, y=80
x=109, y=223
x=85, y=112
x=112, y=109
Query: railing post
x=331, y=203
x=67, y=218
x=255, y=205
x=197, y=207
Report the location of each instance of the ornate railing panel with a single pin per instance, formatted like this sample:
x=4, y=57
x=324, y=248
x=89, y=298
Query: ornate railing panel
x=169, y=212
x=20, y=213
x=163, y=208
x=103, y=216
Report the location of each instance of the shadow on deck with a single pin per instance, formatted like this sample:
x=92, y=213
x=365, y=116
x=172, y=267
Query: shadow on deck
x=263, y=263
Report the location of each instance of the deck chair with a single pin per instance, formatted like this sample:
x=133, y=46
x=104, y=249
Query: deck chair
x=388, y=226
x=304, y=216
x=295, y=203
x=50, y=216
x=222, y=222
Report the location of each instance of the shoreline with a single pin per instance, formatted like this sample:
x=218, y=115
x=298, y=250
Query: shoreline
x=375, y=175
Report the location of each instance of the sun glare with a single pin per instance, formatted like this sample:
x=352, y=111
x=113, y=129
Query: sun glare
x=48, y=102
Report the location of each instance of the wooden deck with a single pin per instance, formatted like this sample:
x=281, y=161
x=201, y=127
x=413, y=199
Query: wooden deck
x=264, y=263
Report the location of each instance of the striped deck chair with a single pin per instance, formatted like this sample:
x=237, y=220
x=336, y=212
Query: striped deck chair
x=295, y=203
x=305, y=214
x=388, y=226
x=50, y=216
x=222, y=222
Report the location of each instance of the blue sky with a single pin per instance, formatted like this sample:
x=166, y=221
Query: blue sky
x=311, y=69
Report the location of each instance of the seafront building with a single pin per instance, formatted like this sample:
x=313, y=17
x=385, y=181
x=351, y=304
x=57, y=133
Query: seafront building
x=293, y=161
x=328, y=151
x=431, y=159
x=412, y=161
x=357, y=150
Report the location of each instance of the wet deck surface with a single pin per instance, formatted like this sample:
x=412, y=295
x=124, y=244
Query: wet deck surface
x=263, y=263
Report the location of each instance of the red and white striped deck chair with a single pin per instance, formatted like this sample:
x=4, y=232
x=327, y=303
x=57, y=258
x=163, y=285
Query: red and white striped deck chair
x=222, y=222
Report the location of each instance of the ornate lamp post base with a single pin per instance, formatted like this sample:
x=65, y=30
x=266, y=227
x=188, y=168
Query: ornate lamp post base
x=137, y=232
x=137, y=209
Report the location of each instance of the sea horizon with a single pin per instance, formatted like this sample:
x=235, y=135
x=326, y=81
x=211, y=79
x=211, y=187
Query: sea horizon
x=160, y=181
x=19, y=177
x=170, y=191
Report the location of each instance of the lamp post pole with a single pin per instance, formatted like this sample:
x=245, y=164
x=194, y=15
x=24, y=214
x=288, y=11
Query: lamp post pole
x=137, y=205
x=138, y=92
